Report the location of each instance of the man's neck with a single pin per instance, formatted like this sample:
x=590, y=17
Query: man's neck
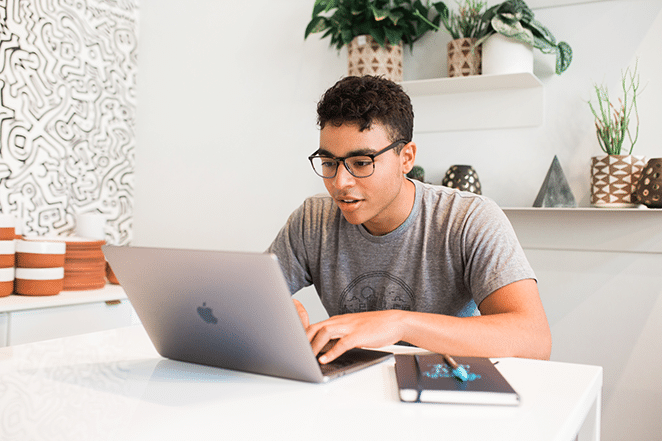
x=396, y=213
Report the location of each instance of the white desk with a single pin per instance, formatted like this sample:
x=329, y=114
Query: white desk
x=112, y=385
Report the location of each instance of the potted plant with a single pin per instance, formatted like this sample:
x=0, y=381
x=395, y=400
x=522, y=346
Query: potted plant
x=614, y=176
x=374, y=31
x=465, y=28
x=512, y=23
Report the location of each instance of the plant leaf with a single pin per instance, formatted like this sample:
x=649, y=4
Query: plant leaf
x=379, y=14
x=317, y=24
x=393, y=36
x=379, y=35
x=563, y=57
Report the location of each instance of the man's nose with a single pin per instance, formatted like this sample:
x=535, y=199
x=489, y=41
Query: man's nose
x=343, y=177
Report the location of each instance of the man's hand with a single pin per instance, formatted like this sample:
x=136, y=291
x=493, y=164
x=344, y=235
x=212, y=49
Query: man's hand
x=303, y=314
x=344, y=332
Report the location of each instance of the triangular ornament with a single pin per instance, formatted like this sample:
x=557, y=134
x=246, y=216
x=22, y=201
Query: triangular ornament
x=555, y=191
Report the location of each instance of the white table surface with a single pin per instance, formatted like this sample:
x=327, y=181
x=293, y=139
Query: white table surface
x=112, y=385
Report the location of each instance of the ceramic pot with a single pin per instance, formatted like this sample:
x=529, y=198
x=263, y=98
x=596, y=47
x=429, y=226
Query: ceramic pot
x=6, y=281
x=35, y=254
x=366, y=57
x=614, y=179
x=503, y=55
x=463, y=58
x=7, y=253
x=649, y=186
x=462, y=177
x=7, y=227
x=39, y=281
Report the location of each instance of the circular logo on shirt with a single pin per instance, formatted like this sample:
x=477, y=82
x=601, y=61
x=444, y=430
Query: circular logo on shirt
x=376, y=291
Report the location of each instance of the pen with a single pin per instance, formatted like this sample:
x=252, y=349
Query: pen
x=458, y=371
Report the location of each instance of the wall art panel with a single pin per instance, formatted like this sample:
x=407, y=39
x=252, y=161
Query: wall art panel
x=67, y=113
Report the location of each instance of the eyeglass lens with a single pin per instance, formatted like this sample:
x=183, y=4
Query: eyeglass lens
x=358, y=166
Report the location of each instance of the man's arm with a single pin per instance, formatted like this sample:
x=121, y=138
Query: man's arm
x=513, y=324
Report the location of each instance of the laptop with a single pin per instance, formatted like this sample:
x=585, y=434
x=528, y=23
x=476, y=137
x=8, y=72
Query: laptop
x=226, y=309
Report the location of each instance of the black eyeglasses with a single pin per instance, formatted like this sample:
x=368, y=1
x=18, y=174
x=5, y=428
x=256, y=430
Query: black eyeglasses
x=360, y=166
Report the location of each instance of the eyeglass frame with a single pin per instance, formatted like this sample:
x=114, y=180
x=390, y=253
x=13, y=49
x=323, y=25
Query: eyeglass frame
x=338, y=160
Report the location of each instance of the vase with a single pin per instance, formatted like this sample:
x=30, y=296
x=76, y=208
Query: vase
x=503, y=55
x=614, y=179
x=649, y=186
x=366, y=57
x=463, y=58
x=462, y=177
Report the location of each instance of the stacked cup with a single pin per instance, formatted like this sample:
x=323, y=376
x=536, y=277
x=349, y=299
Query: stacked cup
x=7, y=254
x=39, y=267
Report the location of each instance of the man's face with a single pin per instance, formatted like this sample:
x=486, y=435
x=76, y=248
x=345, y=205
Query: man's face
x=382, y=201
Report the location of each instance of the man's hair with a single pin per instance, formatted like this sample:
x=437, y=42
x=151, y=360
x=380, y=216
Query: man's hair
x=367, y=100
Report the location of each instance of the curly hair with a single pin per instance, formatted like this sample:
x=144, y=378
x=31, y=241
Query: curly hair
x=367, y=100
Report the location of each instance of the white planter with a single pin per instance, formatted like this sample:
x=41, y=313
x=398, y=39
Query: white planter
x=503, y=55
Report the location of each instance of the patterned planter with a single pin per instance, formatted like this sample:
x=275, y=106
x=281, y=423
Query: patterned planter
x=366, y=57
x=614, y=180
x=463, y=59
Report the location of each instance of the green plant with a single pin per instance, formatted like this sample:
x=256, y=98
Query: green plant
x=514, y=19
x=387, y=21
x=612, y=122
x=466, y=22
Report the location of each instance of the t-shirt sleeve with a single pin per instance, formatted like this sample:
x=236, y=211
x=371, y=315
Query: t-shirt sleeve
x=288, y=246
x=494, y=256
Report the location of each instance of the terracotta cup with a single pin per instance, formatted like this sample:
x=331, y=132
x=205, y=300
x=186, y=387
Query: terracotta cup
x=7, y=227
x=6, y=281
x=38, y=281
x=37, y=254
x=7, y=253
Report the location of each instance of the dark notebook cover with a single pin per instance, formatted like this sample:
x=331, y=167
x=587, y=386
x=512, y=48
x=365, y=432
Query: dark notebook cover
x=428, y=378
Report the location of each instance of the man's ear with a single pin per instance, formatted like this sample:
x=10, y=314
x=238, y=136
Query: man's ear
x=408, y=156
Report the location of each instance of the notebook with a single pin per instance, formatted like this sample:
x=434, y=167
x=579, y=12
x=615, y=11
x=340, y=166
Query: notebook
x=231, y=310
x=427, y=378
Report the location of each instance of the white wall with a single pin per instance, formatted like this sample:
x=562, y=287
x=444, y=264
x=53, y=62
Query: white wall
x=226, y=114
x=226, y=118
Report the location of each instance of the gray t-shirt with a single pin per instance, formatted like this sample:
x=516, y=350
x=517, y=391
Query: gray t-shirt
x=454, y=250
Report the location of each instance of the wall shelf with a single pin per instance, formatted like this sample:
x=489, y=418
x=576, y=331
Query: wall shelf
x=476, y=102
x=475, y=83
x=622, y=230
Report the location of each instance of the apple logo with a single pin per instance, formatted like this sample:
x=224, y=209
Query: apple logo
x=206, y=313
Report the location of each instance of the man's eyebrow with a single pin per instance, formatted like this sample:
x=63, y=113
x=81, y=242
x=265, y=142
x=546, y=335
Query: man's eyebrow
x=358, y=152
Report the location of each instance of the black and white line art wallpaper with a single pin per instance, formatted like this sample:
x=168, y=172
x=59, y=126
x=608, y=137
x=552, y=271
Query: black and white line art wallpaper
x=68, y=71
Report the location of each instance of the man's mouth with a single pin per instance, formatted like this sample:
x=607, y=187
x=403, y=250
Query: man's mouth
x=346, y=202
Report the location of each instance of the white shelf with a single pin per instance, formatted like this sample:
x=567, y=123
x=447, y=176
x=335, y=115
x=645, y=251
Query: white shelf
x=619, y=230
x=65, y=298
x=475, y=83
x=476, y=102
x=589, y=210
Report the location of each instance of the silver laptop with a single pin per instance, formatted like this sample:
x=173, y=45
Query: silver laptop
x=226, y=309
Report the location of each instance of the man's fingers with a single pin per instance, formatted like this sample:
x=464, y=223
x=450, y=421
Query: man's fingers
x=303, y=314
x=337, y=348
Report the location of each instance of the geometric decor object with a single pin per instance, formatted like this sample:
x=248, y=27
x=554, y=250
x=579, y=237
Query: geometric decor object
x=462, y=177
x=555, y=191
x=463, y=58
x=614, y=180
x=649, y=187
x=366, y=57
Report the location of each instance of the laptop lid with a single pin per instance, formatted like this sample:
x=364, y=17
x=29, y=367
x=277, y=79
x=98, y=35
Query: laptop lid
x=227, y=309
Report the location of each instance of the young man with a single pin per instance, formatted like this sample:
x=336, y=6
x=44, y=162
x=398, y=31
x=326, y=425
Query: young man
x=395, y=260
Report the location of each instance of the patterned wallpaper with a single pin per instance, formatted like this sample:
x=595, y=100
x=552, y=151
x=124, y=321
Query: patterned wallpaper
x=67, y=107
